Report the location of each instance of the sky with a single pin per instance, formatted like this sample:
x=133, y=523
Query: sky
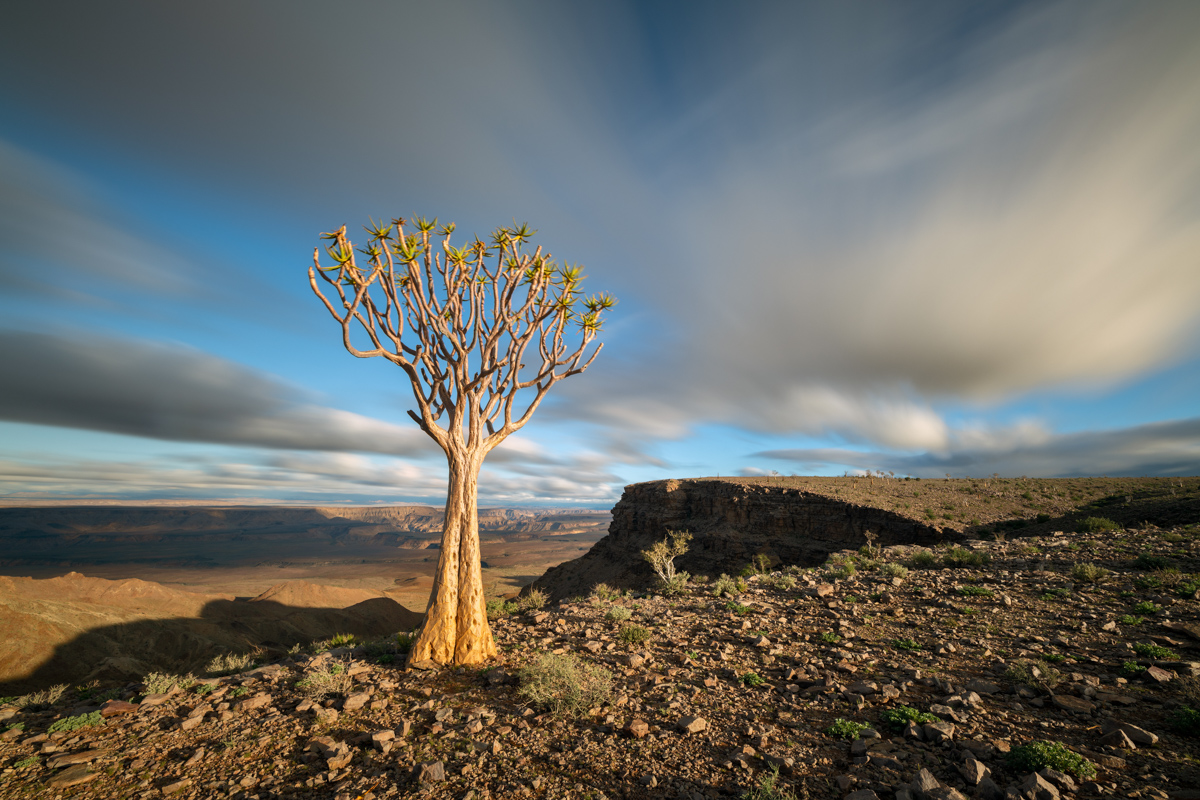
x=926, y=238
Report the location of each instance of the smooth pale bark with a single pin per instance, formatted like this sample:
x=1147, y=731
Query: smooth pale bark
x=456, y=629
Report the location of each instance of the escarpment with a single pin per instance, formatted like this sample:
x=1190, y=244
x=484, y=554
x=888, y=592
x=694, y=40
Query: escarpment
x=731, y=523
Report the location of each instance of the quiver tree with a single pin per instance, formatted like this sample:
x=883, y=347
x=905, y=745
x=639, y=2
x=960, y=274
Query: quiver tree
x=482, y=332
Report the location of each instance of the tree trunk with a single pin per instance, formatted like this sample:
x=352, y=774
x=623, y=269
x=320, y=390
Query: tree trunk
x=456, y=628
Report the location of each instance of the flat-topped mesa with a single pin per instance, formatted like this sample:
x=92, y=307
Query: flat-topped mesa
x=731, y=523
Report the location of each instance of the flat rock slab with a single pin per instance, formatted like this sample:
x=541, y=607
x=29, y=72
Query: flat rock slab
x=1075, y=704
x=71, y=776
x=114, y=708
x=70, y=759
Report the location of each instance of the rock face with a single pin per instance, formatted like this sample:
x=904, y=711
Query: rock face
x=731, y=523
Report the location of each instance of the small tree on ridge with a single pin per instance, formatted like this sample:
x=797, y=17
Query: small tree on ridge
x=460, y=323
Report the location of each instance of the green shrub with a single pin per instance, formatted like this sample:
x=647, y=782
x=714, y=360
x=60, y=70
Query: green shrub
x=1146, y=608
x=1036, y=756
x=1185, y=721
x=840, y=566
x=922, y=559
x=846, y=729
x=726, y=585
x=783, y=582
x=1097, y=525
x=75, y=723
x=229, y=663
x=897, y=718
x=1023, y=671
x=501, y=608
x=603, y=591
x=906, y=644
x=404, y=641
x=161, y=682
x=1154, y=651
x=342, y=640
x=26, y=762
x=752, y=679
x=1132, y=669
x=737, y=608
x=957, y=556
x=633, y=634
x=768, y=788
x=1083, y=572
x=203, y=688
x=1188, y=588
x=240, y=691
x=532, y=600
x=565, y=684
x=829, y=637
x=894, y=570
x=1148, y=562
x=975, y=591
x=320, y=683
x=1056, y=593
x=618, y=614
x=1128, y=619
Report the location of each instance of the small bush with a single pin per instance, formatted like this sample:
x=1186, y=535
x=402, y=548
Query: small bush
x=1097, y=525
x=1151, y=563
x=342, y=640
x=204, y=688
x=957, y=556
x=1132, y=669
x=737, y=608
x=1155, y=651
x=161, y=682
x=1146, y=608
x=404, y=641
x=897, y=718
x=846, y=729
x=603, y=591
x=906, y=644
x=1128, y=619
x=26, y=762
x=565, y=684
x=726, y=585
x=893, y=570
x=1083, y=572
x=783, y=582
x=829, y=637
x=768, y=788
x=1023, y=671
x=1058, y=593
x=75, y=723
x=840, y=566
x=533, y=599
x=1036, y=756
x=501, y=608
x=677, y=584
x=618, y=614
x=323, y=682
x=1185, y=721
x=975, y=591
x=633, y=634
x=752, y=679
x=229, y=663
x=922, y=559
x=46, y=697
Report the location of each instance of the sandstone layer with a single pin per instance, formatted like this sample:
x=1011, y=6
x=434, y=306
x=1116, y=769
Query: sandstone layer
x=731, y=522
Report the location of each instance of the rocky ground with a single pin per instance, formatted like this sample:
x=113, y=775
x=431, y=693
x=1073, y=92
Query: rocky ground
x=728, y=696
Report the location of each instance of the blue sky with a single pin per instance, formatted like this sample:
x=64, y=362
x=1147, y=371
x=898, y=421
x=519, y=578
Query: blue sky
x=919, y=237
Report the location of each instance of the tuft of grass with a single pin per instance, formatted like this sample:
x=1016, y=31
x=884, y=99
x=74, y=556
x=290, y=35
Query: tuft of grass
x=1024, y=671
x=500, y=607
x=897, y=718
x=1185, y=721
x=922, y=559
x=752, y=679
x=603, y=591
x=1084, y=572
x=618, y=614
x=1151, y=563
x=565, y=684
x=633, y=634
x=75, y=723
x=958, y=556
x=782, y=582
x=1036, y=756
x=725, y=585
x=1097, y=525
x=323, y=682
x=846, y=729
x=975, y=591
x=1155, y=651
x=768, y=788
x=1146, y=608
x=230, y=663
x=161, y=682
x=533, y=599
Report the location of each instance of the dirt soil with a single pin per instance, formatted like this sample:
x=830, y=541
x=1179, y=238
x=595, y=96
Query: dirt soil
x=1086, y=639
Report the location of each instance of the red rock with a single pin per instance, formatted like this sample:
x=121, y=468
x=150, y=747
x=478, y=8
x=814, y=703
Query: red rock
x=114, y=708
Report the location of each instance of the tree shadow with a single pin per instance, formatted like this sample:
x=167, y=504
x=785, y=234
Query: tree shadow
x=126, y=651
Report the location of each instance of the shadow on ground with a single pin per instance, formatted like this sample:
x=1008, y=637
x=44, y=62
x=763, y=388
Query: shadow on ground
x=128, y=650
